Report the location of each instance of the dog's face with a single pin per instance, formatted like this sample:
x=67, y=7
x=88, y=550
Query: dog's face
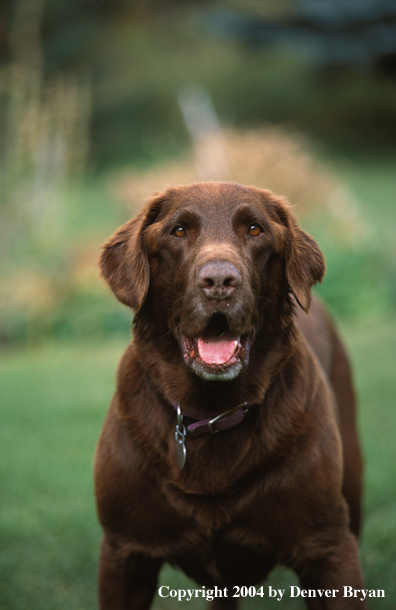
x=215, y=263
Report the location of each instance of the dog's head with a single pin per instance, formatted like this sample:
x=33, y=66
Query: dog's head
x=213, y=264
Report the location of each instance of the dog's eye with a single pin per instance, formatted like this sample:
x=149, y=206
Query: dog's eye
x=255, y=230
x=179, y=231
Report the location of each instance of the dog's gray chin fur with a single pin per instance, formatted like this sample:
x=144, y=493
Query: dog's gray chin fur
x=226, y=374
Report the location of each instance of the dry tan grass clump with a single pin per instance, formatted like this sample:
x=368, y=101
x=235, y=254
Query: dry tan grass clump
x=267, y=157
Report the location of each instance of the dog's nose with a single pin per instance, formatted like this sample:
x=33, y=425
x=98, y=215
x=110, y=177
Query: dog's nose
x=218, y=279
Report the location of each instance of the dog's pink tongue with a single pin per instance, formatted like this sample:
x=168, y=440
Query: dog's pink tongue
x=217, y=350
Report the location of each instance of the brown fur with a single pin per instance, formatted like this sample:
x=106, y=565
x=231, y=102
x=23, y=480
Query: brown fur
x=273, y=489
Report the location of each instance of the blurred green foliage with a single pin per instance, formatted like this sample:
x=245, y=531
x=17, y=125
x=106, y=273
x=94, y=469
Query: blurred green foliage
x=53, y=290
x=89, y=87
x=138, y=55
x=72, y=302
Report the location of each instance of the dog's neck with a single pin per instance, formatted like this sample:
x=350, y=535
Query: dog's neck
x=178, y=385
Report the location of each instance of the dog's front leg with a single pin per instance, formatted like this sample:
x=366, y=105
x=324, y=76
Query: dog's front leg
x=324, y=581
x=126, y=581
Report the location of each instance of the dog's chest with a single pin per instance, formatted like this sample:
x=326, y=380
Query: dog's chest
x=226, y=557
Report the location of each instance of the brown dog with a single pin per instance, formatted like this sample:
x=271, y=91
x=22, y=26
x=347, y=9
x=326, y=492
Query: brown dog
x=230, y=445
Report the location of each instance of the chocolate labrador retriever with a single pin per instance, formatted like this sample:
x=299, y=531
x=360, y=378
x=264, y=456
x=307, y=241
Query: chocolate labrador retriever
x=230, y=445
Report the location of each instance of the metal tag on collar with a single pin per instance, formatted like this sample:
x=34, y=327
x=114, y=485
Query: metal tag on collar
x=180, y=437
x=219, y=417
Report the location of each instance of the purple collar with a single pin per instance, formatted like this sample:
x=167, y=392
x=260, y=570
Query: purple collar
x=211, y=423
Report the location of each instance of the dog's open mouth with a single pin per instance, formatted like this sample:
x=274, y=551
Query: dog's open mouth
x=217, y=352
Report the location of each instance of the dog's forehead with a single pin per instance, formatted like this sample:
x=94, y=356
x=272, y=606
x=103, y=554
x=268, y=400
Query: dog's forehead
x=214, y=197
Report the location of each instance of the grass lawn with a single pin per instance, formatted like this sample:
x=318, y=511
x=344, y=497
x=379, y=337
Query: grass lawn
x=53, y=402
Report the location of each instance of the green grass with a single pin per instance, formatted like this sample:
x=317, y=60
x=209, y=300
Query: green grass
x=53, y=402
x=374, y=349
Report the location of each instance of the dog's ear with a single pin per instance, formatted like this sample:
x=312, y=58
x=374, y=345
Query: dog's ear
x=305, y=264
x=124, y=261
